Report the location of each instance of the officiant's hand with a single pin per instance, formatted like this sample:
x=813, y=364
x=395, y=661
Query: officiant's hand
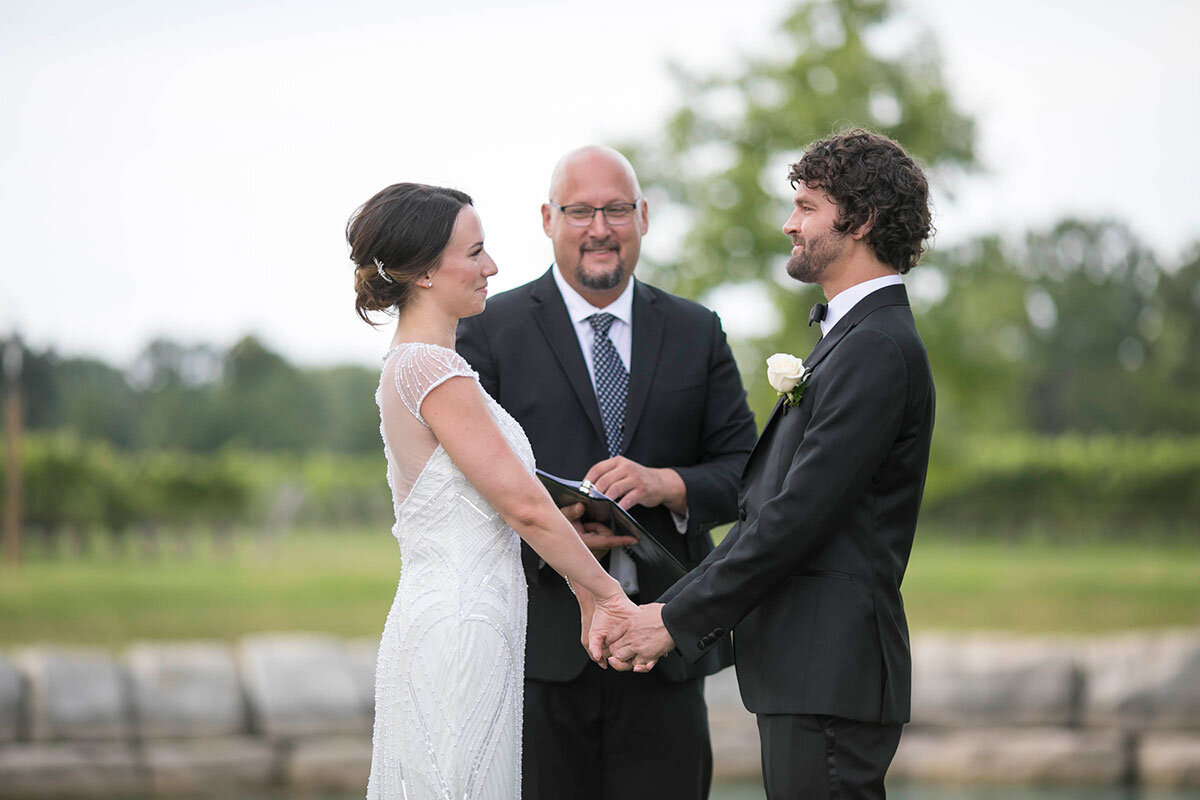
x=631, y=484
x=598, y=538
x=643, y=642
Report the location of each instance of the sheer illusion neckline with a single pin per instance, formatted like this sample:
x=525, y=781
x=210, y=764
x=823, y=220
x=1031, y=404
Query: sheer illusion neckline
x=397, y=347
x=437, y=450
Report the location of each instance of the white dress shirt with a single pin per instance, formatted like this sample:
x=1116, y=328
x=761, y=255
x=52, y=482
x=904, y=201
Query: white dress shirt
x=842, y=302
x=620, y=565
x=579, y=309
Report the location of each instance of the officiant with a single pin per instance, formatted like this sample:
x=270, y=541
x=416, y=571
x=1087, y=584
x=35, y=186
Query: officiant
x=636, y=390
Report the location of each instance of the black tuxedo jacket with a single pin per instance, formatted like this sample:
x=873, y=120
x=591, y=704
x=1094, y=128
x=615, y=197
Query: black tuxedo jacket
x=686, y=409
x=810, y=576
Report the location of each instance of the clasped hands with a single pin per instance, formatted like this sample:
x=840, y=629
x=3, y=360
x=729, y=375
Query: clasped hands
x=618, y=634
x=613, y=630
x=628, y=640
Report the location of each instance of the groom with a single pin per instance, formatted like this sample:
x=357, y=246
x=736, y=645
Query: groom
x=810, y=576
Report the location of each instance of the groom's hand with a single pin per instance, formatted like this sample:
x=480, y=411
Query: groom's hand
x=598, y=538
x=644, y=641
x=631, y=484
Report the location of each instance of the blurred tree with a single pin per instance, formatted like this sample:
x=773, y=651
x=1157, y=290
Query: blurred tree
x=176, y=384
x=1088, y=285
x=263, y=402
x=1170, y=329
x=1077, y=329
x=347, y=397
x=39, y=387
x=97, y=402
x=722, y=164
x=970, y=309
x=195, y=398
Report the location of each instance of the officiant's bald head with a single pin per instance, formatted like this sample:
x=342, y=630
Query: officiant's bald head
x=596, y=251
x=592, y=153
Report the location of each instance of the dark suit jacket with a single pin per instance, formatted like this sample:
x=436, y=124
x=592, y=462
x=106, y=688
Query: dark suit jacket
x=810, y=576
x=686, y=409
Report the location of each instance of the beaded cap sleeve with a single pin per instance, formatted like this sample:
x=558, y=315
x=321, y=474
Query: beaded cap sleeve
x=421, y=368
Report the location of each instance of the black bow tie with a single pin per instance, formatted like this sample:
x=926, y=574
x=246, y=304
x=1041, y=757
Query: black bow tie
x=817, y=314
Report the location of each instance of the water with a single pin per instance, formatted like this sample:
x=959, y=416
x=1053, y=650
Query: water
x=919, y=792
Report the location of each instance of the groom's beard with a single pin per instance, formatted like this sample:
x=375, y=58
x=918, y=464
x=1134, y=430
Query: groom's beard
x=815, y=256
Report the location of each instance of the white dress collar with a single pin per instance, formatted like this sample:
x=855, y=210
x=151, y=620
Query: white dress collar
x=843, y=301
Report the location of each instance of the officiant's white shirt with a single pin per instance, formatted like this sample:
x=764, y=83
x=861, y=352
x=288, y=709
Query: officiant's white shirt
x=620, y=565
x=842, y=302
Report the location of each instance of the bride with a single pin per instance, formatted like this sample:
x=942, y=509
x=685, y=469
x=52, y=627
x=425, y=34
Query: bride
x=449, y=677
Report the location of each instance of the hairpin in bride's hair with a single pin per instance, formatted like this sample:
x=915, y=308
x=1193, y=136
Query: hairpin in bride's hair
x=379, y=269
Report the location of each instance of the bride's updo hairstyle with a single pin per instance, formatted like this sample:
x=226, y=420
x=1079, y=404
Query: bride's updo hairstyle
x=397, y=237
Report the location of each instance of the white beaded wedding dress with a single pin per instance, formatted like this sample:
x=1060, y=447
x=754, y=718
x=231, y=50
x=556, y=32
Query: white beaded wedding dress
x=449, y=679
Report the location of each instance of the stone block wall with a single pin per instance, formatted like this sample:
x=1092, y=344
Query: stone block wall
x=292, y=712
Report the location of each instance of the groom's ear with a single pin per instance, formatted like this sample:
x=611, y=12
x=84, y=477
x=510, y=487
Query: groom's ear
x=546, y=218
x=862, y=230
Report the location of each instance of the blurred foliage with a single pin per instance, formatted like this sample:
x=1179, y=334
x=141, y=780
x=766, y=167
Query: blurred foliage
x=77, y=486
x=1068, y=487
x=1096, y=485
x=722, y=162
x=1078, y=328
x=197, y=399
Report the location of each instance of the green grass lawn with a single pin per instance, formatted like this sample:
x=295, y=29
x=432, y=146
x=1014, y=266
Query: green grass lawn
x=343, y=583
x=1038, y=587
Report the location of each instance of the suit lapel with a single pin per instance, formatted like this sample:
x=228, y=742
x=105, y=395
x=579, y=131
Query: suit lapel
x=648, y=326
x=550, y=312
x=887, y=296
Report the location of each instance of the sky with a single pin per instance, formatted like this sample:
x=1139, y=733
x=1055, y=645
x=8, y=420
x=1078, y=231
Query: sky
x=187, y=169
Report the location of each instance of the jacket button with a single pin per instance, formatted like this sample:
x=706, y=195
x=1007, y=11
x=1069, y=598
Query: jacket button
x=701, y=644
x=742, y=514
x=718, y=633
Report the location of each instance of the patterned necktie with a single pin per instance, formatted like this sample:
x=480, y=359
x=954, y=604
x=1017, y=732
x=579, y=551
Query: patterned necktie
x=612, y=381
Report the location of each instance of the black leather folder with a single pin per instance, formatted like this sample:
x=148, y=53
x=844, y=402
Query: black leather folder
x=651, y=557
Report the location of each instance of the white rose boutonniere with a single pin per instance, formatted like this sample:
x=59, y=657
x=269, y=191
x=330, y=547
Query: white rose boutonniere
x=787, y=375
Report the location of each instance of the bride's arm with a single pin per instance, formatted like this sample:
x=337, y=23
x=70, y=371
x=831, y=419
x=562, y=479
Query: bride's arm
x=458, y=416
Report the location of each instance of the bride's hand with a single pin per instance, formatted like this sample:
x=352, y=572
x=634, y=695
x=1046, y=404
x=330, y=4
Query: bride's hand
x=587, y=608
x=610, y=619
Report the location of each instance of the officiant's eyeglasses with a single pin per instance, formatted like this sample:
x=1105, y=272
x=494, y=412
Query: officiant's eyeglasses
x=581, y=215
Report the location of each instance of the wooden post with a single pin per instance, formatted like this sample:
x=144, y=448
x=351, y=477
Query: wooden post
x=12, y=440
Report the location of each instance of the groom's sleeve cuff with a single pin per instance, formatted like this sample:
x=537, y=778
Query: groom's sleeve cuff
x=692, y=644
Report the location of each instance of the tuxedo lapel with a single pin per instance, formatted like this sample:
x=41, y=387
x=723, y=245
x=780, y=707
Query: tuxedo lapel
x=550, y=312
x=648, y=325
x=887, y=296
x=763, y=442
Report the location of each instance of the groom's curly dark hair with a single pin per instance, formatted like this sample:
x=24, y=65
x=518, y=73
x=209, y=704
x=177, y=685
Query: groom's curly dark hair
x=873, y=181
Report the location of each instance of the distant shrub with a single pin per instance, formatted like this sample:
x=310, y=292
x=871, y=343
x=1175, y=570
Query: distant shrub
x=1106, y=484
x=1064, y=486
